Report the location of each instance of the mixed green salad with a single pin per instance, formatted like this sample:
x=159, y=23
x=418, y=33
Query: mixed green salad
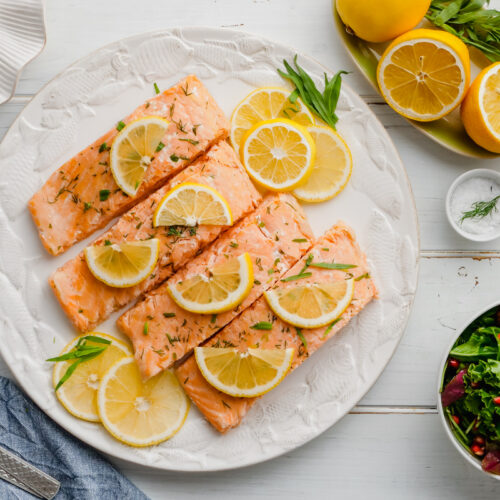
x=470, y=389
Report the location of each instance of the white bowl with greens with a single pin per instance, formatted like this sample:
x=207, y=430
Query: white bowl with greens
x=469, y=391
x=472, y=205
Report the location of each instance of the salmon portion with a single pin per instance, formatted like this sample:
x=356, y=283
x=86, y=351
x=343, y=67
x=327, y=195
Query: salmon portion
x=337, y=245
x=87, y=301
x=82, y=195
x=276, y=236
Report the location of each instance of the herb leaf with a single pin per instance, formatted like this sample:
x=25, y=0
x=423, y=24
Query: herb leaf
x=469, y=21
x=322, y=104
x=480, y=209
x=262, y=325
x=332, y=265
x=296, y=277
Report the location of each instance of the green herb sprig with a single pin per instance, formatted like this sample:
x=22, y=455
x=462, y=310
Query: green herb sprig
x=473, y=24
x=480, y=209
x=262, y=325
x=80, y=353
x=322, y=104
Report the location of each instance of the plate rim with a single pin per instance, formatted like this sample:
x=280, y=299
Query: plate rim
x=388, y=140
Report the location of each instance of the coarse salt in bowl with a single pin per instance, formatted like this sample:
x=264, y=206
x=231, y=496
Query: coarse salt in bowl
x=478, y=185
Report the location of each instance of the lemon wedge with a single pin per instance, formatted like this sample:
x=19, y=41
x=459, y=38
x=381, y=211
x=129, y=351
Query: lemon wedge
x=123, y=264
x=133, y=150
x=481, y=109
x=332, y=167
x=243, y=374
x=78, y=394
x=278, y=154
x=312, y=305
x=225, y=287
x=424, y=74
x=190, y=204
x=140, y=413
x=262, y=104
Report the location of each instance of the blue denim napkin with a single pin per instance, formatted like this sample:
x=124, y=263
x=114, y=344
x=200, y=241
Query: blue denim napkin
x=84, y=475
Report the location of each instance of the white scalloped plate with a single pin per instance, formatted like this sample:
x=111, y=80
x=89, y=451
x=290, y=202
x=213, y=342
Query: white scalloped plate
x=82, y=103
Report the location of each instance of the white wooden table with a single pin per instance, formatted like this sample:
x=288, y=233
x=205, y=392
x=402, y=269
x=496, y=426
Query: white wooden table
x=391, y=445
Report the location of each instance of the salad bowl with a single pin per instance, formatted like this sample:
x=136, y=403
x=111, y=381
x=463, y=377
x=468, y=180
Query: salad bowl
x=466, y=453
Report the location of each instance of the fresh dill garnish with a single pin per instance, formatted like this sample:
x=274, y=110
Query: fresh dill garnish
x=262, y=325
x=480, y=209
x=80, y=353
x=469, y=21
x=322, y=104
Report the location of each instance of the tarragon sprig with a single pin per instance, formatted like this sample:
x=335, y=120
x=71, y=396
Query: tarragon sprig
x=322, y=104
x=80, y=353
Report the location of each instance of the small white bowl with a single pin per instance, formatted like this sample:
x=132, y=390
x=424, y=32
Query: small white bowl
x=476, y=463
x=477, y=172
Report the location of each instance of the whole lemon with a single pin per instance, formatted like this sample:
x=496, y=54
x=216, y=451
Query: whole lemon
x=381, y=20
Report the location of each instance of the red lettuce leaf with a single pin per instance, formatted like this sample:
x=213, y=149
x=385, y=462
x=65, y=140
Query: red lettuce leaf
x=491, y=462
x=454, y=390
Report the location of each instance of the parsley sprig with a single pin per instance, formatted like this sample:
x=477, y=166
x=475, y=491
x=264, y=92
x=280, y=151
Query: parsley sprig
x=322, y=104
x=472, y=23
x=80, y=353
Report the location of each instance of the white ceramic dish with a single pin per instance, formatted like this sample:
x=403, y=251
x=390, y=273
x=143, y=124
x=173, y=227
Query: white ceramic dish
x=22, y=38
x=475, y=173
x=466, y=455
x=82, y=103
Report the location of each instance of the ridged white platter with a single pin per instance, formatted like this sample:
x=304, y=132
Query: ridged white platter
x=96, y=92
x=22, y=38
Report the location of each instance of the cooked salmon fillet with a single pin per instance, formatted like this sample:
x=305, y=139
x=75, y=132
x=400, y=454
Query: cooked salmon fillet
x=337, y=245
x=87, y=301
x=276, y=235
x=82, y=196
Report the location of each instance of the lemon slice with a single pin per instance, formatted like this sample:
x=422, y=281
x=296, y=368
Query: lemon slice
x=78, y=394
x=311, y=305
x=225, y=287
x=243, y=374
x=481, y=109
x=133, y=150
x=332, y=167
x=123, y=264
x=278, y=154
x=190, y=204
x=424, y=74
x=141, y=413
x=262, y=104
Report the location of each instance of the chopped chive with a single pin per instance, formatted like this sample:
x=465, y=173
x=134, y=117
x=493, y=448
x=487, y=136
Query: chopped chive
x=332, y=265
x=160, y=147
x=191, y=141
x=169, y=315
x=157, y=89
x=120, y=126
x=262, y=325
x=104, y=194
x=107, y=243
x=174, y=158
x=300, y=240
x=301, y=337
x=297, y=277
x=363, y=276
x=330, y=326
x=145, y=329
x=103, y=147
